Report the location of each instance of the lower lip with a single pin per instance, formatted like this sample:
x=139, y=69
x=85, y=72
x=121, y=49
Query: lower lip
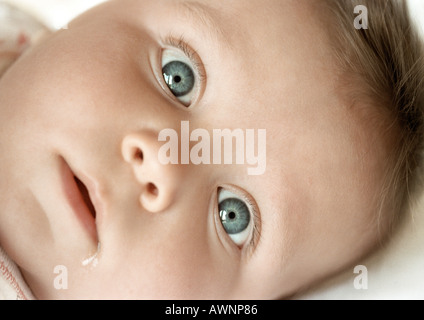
x=77, y=203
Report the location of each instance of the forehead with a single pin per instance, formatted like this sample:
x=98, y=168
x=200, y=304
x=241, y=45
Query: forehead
x=261, y=49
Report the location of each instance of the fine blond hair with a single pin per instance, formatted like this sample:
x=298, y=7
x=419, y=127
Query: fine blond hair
x=381, y=62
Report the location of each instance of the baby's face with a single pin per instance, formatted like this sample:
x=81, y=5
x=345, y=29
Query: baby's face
x=90, y=102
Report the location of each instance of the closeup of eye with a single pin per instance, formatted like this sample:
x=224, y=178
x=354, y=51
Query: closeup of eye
x=179, y=77
x=236, y=217
x=182, y=72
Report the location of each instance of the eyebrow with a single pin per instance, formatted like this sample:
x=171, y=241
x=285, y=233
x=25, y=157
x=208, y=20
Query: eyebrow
x=208, y=17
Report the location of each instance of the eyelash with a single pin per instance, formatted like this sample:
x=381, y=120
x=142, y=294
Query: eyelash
x=191, y=54
x=256, y=223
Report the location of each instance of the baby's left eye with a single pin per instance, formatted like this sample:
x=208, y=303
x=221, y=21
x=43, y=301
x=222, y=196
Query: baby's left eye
x=235, y=216
x=179, y=75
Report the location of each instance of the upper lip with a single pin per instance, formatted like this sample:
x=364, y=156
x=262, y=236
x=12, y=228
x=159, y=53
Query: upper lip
x=82, y=195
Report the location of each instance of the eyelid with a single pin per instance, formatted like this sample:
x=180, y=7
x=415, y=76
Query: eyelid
x=194, y=57
x=253, y=209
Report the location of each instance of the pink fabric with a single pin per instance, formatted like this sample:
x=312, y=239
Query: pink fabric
x=12, y=284
x=18, y=31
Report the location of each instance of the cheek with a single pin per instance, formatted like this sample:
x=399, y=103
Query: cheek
x=68, y=87
x=156, y=271
x=174, y=255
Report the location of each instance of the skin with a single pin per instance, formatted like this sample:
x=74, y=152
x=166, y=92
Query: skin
x=90, y=97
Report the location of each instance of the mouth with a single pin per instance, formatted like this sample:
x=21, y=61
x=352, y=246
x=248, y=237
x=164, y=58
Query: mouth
x=85, y=196
x=82, y=199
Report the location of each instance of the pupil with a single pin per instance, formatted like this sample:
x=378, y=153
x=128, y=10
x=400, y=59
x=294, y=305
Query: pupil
x=231, y=215
x=177, y=79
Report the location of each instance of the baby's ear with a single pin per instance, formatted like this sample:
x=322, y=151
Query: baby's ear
x=18, y=32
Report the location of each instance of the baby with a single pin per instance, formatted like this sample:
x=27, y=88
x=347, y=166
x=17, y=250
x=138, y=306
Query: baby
x=89, y=211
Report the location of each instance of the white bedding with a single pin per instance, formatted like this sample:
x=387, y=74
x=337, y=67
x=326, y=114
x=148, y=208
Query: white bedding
x=395, y=272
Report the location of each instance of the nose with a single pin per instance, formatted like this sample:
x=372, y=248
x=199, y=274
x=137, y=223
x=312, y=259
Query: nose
x=158, y=182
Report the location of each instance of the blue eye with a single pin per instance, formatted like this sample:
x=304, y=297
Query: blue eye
x=235, y=216
x=180, y=71
x=179, y=77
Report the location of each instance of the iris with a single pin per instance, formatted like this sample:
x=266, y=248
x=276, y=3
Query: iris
x=234, y=214
x=179, y=77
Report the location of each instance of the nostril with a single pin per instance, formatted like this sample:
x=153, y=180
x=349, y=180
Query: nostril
x=138, y=155
x=152, y=189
